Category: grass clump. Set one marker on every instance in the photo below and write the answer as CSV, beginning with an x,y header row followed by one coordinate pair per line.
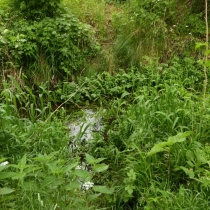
x,y
156,29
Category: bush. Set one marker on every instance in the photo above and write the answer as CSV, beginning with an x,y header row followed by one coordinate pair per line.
x,y
58,46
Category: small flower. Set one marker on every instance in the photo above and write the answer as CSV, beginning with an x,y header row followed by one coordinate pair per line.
x,y
87,185
186,26
190,33
4,163
82,166
174,26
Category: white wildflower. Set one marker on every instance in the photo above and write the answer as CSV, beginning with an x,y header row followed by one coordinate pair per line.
x,y
87,185
81,167
4,163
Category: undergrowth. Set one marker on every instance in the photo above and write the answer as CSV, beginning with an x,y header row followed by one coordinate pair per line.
x,y
49,49
152,151
153,140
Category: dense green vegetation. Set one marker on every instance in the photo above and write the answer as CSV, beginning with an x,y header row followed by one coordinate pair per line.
x,y
142,65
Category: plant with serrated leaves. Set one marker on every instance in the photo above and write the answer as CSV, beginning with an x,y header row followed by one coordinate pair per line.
x,y
49,176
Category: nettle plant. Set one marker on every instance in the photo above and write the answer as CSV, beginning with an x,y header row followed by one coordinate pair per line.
x,y
37,165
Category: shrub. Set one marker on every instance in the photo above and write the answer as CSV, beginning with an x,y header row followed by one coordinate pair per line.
x,y
53,46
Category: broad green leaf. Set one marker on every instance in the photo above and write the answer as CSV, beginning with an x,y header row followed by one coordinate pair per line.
x,y
129,189
103,189
19,176
53,167
125,94
72,185
93,196
190,173
200,159
48,181
58,182
90,159
132,175
82,173
5,190
68,168
180,137
52,154
199,44
99,160
45,158
5,175
200,61
190,155
165,146
160,147
207,52
190,163
207,63
22,162
32,168
100,167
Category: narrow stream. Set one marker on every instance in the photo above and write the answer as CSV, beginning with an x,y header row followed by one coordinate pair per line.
x,y
82,133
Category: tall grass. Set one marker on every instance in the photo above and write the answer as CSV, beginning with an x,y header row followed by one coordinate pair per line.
x,y
164,107
155,29
152,140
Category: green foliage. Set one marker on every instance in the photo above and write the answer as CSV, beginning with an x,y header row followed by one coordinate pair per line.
x,y
156,29
162,106
33,9
125,84
152,151
103,85
49,47
166,146
148,113
49,176
92,12
182,199
40,164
